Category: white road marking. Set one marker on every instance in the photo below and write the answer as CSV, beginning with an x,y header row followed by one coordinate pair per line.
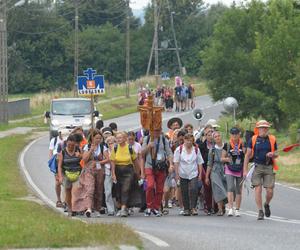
x,y
153,239
29,179
273,218
286,186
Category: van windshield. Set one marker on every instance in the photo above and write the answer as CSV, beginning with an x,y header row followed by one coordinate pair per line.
x,y
71,107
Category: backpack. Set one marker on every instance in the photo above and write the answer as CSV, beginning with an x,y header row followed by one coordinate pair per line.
x,y
195,147
55,141
163,139
129,148
236,167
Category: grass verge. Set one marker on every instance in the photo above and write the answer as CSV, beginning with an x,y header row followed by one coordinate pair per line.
x,y
25,224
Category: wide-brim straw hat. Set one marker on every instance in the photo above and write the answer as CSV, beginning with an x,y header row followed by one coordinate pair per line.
x,y
173,120
263,124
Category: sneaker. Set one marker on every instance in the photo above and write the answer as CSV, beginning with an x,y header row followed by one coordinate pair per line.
x,y
260,215
130,211
156,212
194,212
88,213
110,214
124,213
230,212
97,214
267,210
181,212
118,213
170,205
237,213
59,204
186,213
208,212
147,212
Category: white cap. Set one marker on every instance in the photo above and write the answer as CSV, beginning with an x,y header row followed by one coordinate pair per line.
x,y
213,123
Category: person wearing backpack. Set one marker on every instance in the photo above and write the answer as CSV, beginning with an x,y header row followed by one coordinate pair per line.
x,y
205,145
262,149
158,159
188,166
233,157
55,143
125,165
215,173
89,191
69,170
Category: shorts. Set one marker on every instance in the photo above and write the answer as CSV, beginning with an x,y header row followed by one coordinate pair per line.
x,y
183,98
233,184
67,183
263,175
177,98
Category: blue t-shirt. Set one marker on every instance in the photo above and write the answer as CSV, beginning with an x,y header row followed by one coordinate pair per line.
x,y
261,148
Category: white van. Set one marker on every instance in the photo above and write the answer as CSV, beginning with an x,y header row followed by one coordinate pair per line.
x,y
70,113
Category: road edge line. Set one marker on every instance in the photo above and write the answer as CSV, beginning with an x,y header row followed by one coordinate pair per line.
x,y
28,178
157,241
50,203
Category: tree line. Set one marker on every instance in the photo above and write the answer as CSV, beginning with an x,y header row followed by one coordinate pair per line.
x,y
254,56
248,51
41,40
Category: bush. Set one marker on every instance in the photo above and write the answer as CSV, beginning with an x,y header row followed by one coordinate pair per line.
x,y
293,131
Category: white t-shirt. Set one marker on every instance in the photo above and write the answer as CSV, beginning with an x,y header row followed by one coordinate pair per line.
x,y
97,152
188,163
54,147
137,148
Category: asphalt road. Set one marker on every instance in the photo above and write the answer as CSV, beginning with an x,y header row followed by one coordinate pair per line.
x,y
281,231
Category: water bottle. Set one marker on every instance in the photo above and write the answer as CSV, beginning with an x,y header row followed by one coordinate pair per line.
x,y
145,185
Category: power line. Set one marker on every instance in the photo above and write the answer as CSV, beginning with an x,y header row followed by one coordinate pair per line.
x,y
40,33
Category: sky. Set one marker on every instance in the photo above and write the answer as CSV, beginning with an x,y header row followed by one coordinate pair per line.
x,y
140,4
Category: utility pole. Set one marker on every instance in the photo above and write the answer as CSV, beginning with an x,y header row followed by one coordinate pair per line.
x,y
175,39
128,49
3,64
76,48
156,40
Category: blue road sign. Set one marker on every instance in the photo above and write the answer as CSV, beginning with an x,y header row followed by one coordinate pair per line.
x,y
90,84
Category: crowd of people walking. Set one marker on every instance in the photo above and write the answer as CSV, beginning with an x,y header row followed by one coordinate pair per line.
x,y
111,172
180,98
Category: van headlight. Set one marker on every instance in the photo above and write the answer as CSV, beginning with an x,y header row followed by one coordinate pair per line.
x,y
87,122
55,123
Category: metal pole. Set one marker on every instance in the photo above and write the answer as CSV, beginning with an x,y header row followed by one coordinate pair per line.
x,y
234,116
76,48
128,50
3,64
156,40
175,39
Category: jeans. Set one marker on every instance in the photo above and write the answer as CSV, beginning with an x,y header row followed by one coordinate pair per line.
x,y
108,194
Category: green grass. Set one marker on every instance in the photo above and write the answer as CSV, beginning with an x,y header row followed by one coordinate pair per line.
x,y
25,224
40,102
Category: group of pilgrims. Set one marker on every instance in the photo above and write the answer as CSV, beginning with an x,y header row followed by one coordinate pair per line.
x,y
107,172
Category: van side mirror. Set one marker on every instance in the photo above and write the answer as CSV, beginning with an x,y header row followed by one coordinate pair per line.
x,y
96,113
47,114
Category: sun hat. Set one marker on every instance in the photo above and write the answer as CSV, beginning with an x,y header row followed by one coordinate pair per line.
x,y
263,124
173,120
213,123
